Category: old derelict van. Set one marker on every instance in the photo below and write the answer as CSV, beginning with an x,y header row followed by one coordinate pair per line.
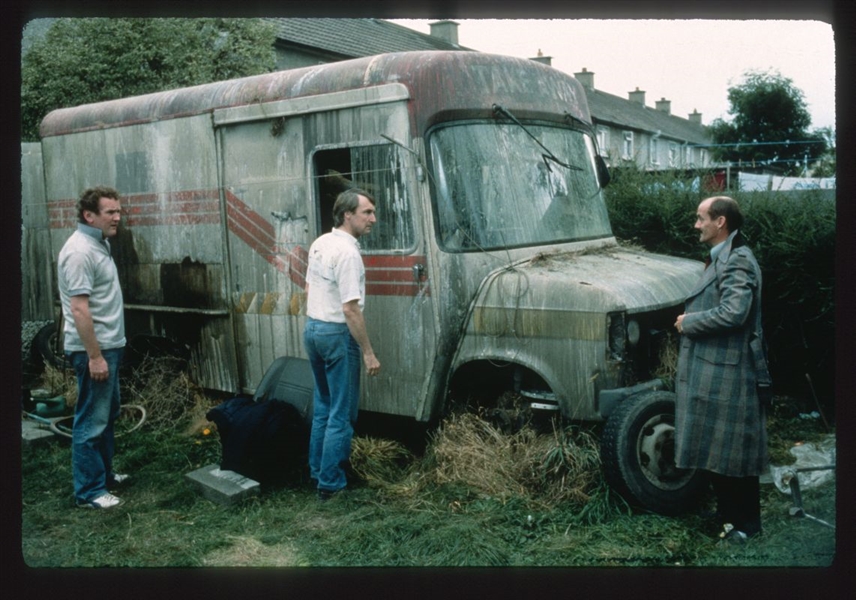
x,y
493,264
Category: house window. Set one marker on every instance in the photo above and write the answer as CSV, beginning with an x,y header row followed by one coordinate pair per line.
x,y
627,146
688,156
654,151
674,155
703,158
603,141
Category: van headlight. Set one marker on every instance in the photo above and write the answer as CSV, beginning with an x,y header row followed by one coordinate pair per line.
x,y
622,331
617,335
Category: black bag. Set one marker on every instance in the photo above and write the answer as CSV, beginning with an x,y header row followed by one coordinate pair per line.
x,y
264,440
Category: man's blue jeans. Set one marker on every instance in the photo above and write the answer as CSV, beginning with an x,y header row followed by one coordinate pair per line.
x,y
92,438
336,364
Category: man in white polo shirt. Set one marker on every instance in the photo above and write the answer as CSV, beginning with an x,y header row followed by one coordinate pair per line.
x,y
94,339
336,338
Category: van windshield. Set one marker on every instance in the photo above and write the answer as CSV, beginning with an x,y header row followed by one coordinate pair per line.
x,y
495,188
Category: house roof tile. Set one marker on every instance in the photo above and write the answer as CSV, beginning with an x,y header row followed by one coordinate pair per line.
x,y
620,112
353,38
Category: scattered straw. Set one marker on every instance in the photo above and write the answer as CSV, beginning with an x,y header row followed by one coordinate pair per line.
x,y
562,466
60,382
164,389
668,368
379,462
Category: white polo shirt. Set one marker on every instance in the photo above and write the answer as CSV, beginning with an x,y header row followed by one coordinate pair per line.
x,y
85,268
335,275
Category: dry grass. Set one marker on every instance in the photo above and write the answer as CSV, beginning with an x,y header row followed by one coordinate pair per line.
x,y
379,462
170,398
470,450
561,466
246,551
60,382
158,384
668,368
556,467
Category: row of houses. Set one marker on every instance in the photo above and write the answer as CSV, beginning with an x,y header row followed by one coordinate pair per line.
x,y
628,130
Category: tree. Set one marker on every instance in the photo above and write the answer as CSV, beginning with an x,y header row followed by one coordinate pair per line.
x,y
825,166
79,61
770,125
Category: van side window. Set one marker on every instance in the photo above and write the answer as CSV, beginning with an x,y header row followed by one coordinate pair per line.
x,y
378,170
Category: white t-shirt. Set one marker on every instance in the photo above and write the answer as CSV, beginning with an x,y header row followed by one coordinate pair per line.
x,y
85,268
335,275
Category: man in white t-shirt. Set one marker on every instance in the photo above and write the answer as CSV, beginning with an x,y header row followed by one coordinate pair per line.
x,y
336,338
94,340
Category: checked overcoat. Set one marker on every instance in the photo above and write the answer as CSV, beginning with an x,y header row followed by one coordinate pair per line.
x,y
720,425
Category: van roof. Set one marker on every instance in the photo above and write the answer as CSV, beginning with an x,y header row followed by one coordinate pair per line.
x,y
437,81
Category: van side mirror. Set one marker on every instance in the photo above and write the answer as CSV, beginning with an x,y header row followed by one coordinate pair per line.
x,y
602,171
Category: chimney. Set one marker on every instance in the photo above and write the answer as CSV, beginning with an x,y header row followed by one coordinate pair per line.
x,y
545,60
586,78
445,30
695,117
637,96
664,105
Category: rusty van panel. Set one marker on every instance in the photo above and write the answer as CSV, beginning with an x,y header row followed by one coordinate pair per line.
x,y
169,248
551,314
168,164
37,274
441,84
601,280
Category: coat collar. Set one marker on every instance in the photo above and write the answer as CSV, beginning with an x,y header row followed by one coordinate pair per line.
x,y
720,257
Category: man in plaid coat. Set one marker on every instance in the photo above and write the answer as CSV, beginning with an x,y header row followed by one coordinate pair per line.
x,y
720,423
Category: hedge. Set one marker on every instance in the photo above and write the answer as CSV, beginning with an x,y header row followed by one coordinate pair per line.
x,y
793,237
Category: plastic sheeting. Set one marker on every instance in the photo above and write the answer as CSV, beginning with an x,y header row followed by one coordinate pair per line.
x,y
807,456
752,182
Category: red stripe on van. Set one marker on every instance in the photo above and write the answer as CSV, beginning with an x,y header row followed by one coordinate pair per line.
x,y
386,275
392,289
260,235
62,214
193,207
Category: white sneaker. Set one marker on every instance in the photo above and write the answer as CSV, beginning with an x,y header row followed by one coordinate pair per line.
x,y
107,500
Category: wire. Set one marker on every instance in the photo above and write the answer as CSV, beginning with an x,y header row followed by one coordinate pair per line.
x,y
65,431
738,144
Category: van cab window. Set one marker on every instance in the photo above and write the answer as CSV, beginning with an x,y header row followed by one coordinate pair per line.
x,y
377,169
495,187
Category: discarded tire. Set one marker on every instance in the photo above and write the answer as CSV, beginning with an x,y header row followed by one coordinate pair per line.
x,y
47,347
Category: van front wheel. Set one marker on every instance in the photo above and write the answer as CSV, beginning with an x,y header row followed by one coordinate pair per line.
x,y
638,455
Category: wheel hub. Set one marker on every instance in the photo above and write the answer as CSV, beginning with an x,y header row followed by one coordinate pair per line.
x,y
656,453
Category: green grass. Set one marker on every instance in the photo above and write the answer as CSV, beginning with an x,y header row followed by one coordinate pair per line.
x,y
165,522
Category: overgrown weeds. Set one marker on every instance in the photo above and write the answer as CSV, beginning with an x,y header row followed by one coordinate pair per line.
x,y
60,382
161,385
477,496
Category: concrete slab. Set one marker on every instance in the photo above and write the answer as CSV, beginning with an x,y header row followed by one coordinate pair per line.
x,y
35,433
222,486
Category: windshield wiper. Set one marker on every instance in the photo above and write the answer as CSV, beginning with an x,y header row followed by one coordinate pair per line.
x,y
549,155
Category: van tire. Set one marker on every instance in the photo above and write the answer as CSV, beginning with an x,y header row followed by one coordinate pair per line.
x,y
46,348
637,453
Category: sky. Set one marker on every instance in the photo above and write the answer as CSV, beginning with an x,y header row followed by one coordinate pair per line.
x,y
692,63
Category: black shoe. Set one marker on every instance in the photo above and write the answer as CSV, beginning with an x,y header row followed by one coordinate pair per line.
x,y
324,495
731,536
